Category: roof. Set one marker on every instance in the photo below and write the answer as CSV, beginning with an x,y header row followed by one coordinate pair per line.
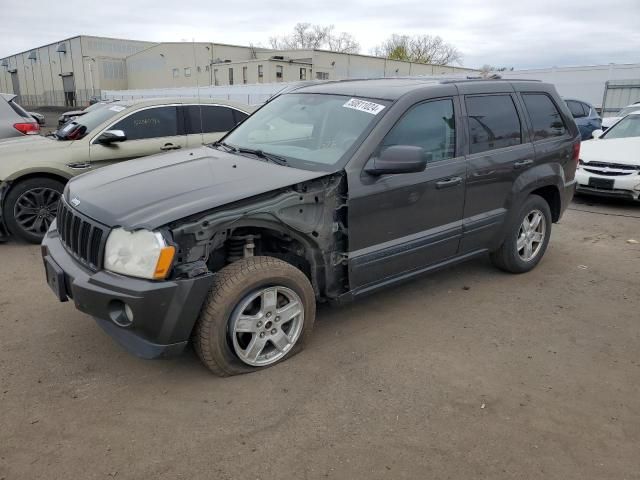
x,y
390,88
182,100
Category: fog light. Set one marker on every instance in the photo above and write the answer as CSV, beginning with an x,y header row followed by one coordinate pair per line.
x,y
120,313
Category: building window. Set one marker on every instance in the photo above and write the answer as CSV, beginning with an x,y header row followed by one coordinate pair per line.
x,y
206,68
303,74
244,74
279,72
176,73
260,74
322,75
215,77
231,76
198,69
187,72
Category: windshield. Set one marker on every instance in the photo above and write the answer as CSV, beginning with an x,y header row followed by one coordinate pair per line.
x,y
628,110
627,127
311,131
85,124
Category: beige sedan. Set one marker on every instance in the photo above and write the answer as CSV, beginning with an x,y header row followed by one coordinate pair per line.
x,y
33,170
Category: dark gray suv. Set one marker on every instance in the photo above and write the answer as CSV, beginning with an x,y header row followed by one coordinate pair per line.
x,y
326,193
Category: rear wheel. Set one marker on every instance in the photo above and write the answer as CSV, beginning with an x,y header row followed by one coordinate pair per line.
x,y
31,206
260,311
527,237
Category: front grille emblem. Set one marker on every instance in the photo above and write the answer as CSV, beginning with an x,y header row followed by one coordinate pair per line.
x,y
75,201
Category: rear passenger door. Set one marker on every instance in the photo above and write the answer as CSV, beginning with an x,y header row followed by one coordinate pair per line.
x,y
149,130
208,123
499,151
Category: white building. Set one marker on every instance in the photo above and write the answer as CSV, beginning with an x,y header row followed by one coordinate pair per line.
x,y
68,72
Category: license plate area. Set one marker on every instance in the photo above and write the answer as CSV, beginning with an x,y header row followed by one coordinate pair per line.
x,y
604,183
55,279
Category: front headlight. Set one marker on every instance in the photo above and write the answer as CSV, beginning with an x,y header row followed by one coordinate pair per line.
x,y
142,254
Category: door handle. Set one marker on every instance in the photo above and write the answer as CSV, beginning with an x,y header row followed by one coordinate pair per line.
x,y
449,182
170,146
523,163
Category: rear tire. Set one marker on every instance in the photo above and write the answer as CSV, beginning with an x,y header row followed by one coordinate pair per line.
x,y
248,310
525,244
31,206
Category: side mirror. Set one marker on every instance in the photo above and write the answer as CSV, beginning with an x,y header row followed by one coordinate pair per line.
x,y
596,134
111,136
397,159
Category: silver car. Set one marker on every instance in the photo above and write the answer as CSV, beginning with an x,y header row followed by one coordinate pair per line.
x,y
15,121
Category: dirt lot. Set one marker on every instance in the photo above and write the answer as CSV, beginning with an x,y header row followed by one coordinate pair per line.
x,y
469,373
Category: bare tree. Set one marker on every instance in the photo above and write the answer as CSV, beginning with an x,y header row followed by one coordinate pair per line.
x,y
420,49
306,35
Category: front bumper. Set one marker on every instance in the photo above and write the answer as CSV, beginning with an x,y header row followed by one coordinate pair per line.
x,y
624,186
164,312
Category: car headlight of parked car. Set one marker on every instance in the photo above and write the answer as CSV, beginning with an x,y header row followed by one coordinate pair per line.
x,y
142,254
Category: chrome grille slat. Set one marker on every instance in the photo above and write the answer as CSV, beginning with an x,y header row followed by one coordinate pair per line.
x,y
81,236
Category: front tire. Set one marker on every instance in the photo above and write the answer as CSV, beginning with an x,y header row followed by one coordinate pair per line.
x,y
31,206
259,312
527,237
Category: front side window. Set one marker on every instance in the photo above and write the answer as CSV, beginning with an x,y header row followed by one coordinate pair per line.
x,y
208,119
149,123
312,131
545,117
493,123
88,122
430,125
629,126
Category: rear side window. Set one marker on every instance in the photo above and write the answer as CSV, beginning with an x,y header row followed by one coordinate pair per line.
x,y
493,123
208,119
545,117
430,125
576,109
149,123
239,116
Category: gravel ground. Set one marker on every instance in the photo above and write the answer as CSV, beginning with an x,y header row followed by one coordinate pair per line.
x,y
468,373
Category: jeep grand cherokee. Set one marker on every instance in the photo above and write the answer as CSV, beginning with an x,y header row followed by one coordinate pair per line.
x,y
326,193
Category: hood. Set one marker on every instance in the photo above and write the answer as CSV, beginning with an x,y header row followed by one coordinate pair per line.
x,y
28,143
608,121
154,191
616,150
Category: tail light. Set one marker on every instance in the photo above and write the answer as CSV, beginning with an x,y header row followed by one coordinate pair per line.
x,y
27,128
576,152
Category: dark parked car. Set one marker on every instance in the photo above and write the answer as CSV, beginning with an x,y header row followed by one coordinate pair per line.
x,y
326,193
15,121
73,114
586,117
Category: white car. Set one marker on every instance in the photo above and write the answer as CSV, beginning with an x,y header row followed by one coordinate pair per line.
x,y
607,122
609,164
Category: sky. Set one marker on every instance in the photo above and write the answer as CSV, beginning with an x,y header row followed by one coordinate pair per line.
x,y
516,33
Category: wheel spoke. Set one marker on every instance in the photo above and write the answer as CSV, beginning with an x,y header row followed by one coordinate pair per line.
x,y
528,250
537,237
281,341
37,225
246,324
526,225
255,347
289,312
535,221
269,299
522,240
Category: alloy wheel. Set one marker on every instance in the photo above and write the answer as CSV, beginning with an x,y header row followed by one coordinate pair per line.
x,y
266,325
35,209
531,235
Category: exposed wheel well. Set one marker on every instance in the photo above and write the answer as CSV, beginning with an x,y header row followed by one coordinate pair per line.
x,y
29,176
552,196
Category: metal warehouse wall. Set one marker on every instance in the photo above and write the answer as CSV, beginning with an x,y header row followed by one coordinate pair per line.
x,y
618,94
585,83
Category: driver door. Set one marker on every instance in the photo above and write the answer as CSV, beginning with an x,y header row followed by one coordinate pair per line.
x,y
401,224
149,131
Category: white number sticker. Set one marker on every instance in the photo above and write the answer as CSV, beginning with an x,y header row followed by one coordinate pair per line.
x,y
364,106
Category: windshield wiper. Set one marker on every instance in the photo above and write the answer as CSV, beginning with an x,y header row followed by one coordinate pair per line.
x,y
277,159
218,143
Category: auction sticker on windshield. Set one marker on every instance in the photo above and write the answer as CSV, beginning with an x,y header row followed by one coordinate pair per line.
x,y
364,106
117,108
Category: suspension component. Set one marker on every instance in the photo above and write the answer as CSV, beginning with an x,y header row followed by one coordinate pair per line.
x,y
240,246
